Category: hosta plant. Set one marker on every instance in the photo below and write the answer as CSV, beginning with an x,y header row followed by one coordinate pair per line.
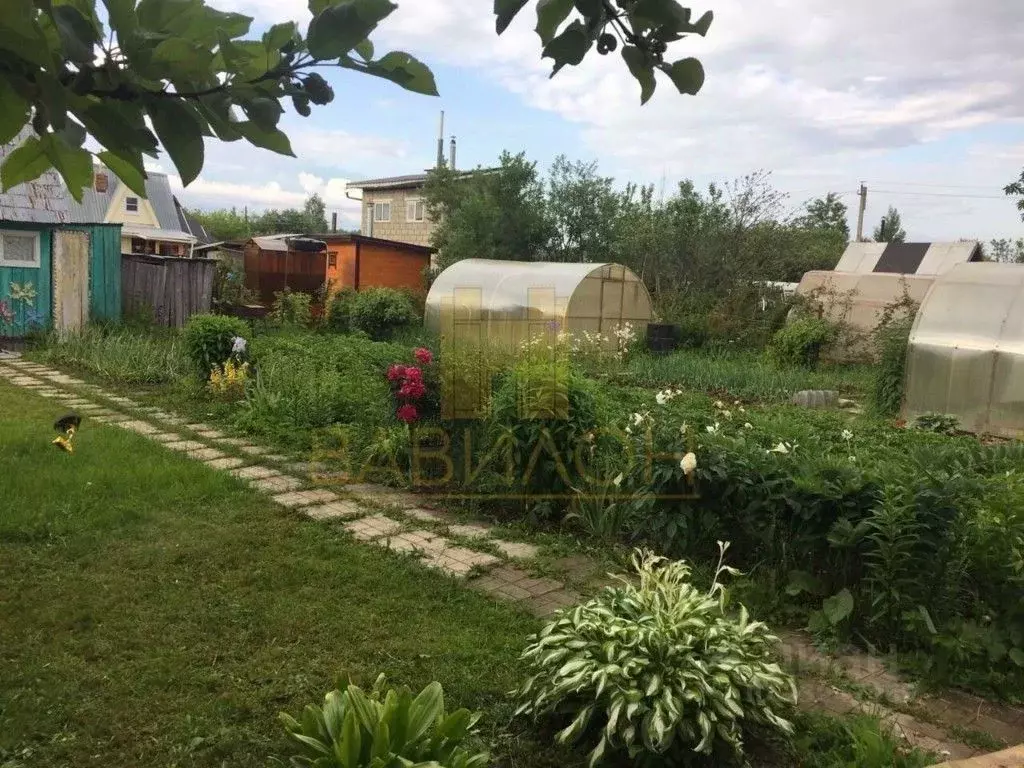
x,y
385,728
657,669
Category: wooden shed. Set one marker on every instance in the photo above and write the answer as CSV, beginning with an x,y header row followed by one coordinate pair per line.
x,y
357,261
276,262
53,274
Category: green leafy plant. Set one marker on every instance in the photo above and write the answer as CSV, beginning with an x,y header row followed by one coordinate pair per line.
x,y
659,669
801,342
384,728
693,331
598,512
339,310
891,336
940,423
209,340
292,308
379,312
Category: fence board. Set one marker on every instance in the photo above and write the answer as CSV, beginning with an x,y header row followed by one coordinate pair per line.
x,y
168,289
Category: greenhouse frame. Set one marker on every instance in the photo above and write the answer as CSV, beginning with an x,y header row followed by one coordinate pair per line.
x,y
512,302
965,355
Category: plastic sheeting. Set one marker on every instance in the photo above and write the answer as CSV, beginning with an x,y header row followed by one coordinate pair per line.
x,y
858,298
966,350
510,302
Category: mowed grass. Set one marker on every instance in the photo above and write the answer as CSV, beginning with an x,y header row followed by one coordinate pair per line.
x,y
154,612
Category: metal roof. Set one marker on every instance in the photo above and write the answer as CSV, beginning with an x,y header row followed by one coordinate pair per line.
x,y
94,205
155,233
43,200
907,258
291,242
390,182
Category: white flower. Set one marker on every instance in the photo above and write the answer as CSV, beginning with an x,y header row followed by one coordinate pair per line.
x,y
683,427
629,430
662,398
742,409
780,448
712,428
727,414
618,480
852,458
638,419
719,404
748,425
688,463
736,402
847,434
238,345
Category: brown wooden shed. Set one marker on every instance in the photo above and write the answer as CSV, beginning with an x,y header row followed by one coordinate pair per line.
x,y
357,261
276,262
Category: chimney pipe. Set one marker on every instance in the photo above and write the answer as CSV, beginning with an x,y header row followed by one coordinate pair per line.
x,y
440,143
334,221
451,155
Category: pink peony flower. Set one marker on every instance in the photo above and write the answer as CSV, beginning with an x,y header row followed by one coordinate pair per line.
x,y
423,356
396,372
412,373
407,413
412,389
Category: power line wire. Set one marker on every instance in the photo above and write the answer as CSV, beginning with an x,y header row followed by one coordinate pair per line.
x,y
937,186
941,194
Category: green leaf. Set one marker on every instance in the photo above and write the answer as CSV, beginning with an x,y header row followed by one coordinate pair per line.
x,y
703,24
569,47
405,70
15,112
77,34
25,163
338,29
590,9
74,164
838,607
1017,656
365,50
121,14
132,173
550,15
265,112
351,742
365,710
278,35
504,12
641,70
426,708
927,619
802,581
687,75
273,139
179,130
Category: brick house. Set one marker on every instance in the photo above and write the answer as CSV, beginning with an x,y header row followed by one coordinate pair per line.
x,y
394,208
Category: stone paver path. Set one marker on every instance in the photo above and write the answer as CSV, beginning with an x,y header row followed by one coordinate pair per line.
x,y
402,522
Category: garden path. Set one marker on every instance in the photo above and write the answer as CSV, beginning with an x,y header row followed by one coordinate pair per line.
x,y
954,725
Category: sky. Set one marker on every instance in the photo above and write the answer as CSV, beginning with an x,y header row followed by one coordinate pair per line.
x,y
922,100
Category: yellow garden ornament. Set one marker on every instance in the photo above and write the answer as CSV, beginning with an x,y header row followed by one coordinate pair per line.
x,y
67,426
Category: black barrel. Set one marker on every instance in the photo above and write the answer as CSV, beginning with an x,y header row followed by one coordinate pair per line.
x,y
662,337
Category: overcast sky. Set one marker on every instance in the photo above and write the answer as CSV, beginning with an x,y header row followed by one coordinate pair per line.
x,y
921,99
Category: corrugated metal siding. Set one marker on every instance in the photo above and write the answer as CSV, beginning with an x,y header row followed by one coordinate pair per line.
x,y
40,309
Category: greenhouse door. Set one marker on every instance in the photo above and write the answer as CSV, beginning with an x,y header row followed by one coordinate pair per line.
x,y
70,280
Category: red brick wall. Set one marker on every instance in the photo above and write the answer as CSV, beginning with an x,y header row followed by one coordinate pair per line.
x,y
391,268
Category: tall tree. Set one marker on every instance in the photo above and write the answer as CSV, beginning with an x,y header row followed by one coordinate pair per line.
x,y
172,72
314,212
1007,251
498,213
230,225
583,208
224,224
890,228
826,213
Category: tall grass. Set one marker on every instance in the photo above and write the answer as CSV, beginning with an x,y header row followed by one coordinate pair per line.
x,y
126,356
741,374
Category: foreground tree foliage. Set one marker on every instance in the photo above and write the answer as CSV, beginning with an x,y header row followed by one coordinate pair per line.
x,y
175,72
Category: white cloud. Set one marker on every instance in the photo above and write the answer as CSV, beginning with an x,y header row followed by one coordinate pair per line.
x,y
206,193
342,149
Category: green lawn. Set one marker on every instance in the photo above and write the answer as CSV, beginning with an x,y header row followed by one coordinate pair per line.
x,y
154,612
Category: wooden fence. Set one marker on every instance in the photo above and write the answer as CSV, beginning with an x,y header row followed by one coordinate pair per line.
x,y
169,289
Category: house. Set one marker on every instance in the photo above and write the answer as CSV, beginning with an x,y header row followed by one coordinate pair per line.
x,y
394,208
357,261
907,258
312,263
153,225
55,272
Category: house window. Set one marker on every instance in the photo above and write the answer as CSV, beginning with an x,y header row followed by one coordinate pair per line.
x,y
19,249
414,210
131,204
382,211
332,259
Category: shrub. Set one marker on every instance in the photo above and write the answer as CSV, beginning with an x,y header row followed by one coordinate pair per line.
x,y
124,356
228,381
386,727
380,312
802,341
887,387
693,331
657,670
209,339
940,423
339,310
292,309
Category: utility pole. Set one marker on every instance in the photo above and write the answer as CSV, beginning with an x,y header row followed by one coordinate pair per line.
x,y
860,213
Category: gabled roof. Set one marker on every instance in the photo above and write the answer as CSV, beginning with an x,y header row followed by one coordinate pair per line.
x,y
94,205
191,224
409,181
354,237
907,258
43,200
288,242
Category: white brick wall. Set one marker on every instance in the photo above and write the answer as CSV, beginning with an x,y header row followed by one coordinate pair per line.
x,y
415,232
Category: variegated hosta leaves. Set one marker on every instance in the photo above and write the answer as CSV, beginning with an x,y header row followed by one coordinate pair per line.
x,y
655,667
385,728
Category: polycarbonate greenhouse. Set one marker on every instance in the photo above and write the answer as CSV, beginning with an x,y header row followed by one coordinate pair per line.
x,y
966,351
510,302
859,298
